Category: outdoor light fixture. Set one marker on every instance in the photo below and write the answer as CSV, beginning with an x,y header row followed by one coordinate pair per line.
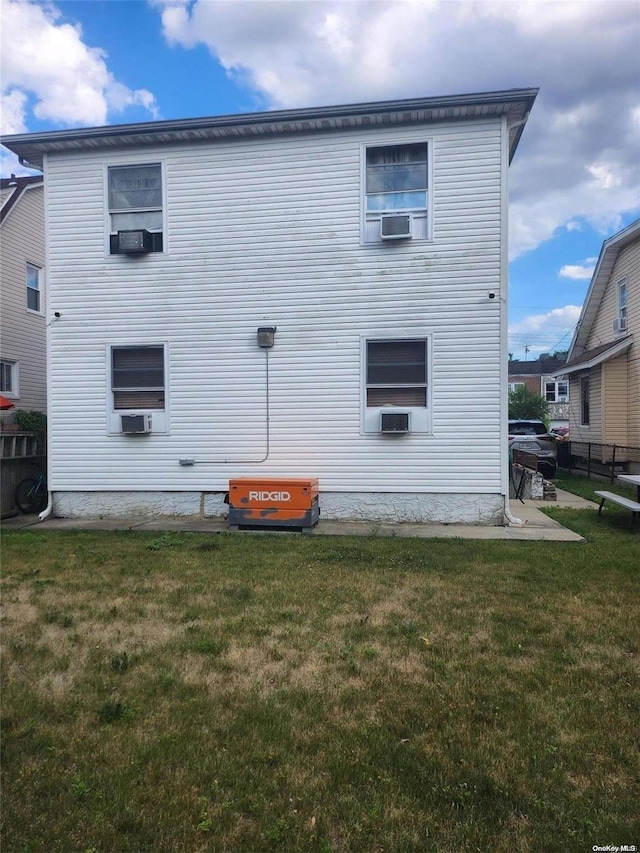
x,y
266,336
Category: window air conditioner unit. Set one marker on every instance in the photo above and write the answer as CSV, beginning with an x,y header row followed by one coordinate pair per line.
x,y
395,227
134,242
135,424
620,325
394,423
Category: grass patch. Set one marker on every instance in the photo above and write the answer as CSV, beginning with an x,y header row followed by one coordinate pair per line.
x,y
586,486
261,693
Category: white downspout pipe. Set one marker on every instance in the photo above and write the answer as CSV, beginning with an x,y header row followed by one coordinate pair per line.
x,y
48,509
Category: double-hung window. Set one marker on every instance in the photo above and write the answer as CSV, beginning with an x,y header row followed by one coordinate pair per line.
x,y
396,183
513,386
396,375
138,384
135,201
33,287
556,392
9,378
622,305
137,377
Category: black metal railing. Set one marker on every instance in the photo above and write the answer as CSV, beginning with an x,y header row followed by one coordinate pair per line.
x,y
602,459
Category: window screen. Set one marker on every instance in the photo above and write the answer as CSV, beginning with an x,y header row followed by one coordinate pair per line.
x,y
397,373
137,377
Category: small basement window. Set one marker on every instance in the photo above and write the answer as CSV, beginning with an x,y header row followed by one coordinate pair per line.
x,y
137,377
135,202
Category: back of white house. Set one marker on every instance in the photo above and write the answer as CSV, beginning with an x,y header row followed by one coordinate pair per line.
x,y
367,243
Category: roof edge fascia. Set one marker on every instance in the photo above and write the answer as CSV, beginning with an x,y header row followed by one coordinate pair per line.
x,y
279,120
599,278
615,350
14,199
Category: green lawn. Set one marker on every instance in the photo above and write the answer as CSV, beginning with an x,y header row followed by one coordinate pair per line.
x,y
250,693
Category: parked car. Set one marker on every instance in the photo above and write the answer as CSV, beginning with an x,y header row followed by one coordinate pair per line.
x,y
532,436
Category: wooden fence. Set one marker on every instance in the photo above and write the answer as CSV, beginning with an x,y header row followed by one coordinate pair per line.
x,y
20,456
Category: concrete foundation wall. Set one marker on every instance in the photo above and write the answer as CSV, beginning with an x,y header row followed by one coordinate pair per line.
x,y
486,509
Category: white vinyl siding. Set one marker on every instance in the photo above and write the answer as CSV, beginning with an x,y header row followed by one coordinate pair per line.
x,y
268,231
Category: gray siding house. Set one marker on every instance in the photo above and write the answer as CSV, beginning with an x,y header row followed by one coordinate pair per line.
x,y
371,237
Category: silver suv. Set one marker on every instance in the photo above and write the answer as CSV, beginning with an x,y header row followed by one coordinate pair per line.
x,y
532,437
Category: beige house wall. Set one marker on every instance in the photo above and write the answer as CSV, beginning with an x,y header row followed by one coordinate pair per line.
x,y
23,331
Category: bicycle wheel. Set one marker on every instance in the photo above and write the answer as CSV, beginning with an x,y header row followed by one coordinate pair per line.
x,y
29,496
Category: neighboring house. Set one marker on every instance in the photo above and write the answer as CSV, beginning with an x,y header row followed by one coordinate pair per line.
x,y
22,259
371,237
540,378
603,365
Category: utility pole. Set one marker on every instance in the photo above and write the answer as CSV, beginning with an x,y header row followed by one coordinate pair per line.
x,y
526,351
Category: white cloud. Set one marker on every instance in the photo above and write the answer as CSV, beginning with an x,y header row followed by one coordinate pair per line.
x,y
578,272
578,155
47,62
13,109
544,332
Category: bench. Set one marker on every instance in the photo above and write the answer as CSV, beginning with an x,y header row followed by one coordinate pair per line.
x,y
627,503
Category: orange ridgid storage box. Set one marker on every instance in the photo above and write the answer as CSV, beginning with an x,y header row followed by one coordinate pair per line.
x,y
273,502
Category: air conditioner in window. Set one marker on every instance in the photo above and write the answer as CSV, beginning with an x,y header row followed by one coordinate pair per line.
x,y
394,423
620,325
134,242
395,227
135,424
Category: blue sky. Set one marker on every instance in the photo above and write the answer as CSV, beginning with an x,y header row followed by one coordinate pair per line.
x,y
575,179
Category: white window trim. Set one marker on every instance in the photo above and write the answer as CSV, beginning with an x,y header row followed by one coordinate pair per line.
x,y
37,267
386,142
623,310
555,383
14,394
159,417
420,417
513,386
133,161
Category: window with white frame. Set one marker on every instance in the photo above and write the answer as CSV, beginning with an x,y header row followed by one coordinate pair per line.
x,y
513,386
622,304
135,200
556,391
584,401
396,375
396,183
33,287
138,377
9,378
